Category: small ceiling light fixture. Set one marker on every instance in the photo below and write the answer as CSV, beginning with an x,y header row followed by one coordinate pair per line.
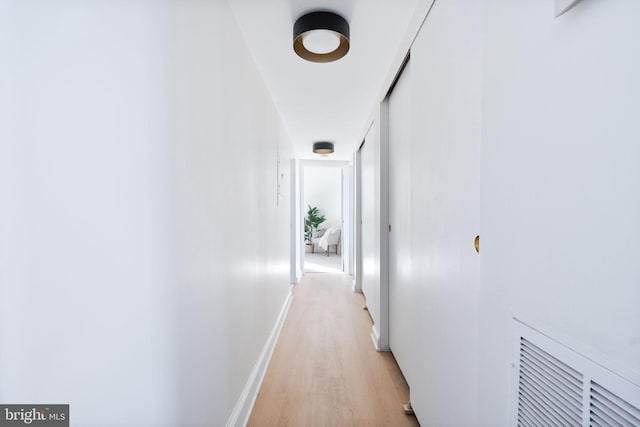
x,y
321,37
323,147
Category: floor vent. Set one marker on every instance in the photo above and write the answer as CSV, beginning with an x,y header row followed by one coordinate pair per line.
x,y
555,386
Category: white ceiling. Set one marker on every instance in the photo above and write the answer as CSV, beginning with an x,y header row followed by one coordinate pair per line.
x,y
332,101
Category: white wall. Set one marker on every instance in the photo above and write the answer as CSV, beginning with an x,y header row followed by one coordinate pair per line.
x,y
560,182
144,256
323,189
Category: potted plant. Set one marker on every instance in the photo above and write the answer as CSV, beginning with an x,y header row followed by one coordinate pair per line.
x,y
311,223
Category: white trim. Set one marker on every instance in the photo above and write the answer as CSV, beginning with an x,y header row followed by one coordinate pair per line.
x,y
244,405
357,223
347,219
299,222
375,337
293,232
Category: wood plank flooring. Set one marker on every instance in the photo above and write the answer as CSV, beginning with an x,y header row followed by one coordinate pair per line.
x,y
324,370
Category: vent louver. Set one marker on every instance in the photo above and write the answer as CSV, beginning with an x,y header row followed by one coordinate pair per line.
x,y
556,386
607,409
549,389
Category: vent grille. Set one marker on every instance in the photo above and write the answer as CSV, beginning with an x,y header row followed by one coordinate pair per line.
x,y
607,409
555,386
550,391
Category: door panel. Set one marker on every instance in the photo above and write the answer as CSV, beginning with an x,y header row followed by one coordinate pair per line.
x,y
370,253
434,144
401,309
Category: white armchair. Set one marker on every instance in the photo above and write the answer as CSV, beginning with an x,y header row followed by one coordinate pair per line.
x,y
315,239
331,237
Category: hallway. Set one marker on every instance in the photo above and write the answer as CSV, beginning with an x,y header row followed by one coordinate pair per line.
x,y
153,163
324,370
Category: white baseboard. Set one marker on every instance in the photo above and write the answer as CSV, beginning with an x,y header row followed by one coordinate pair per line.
x,y
355,288
242,411
375,337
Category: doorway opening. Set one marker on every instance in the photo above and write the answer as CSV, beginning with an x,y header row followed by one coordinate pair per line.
x,y
324,210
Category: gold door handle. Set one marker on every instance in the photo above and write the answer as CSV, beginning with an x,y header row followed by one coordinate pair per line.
x,y
476,244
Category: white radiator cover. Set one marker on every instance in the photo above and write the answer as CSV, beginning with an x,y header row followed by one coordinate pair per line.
x,y
553,385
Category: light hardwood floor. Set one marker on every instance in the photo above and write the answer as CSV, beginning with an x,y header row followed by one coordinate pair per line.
x,y
324,370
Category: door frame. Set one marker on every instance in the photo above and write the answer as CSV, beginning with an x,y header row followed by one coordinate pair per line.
x,y
357,220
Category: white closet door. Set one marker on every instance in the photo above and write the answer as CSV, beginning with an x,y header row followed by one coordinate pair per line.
x,y
434,145
402,310
370,253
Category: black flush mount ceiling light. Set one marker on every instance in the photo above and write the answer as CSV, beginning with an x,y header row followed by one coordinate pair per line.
x,y
323,147
321,37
